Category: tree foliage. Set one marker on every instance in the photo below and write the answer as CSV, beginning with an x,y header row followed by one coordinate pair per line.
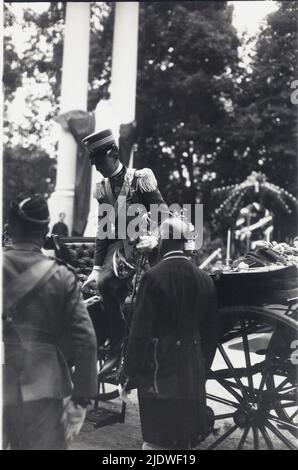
x,y
264,132
187,57
26,171
11,76
203,120
263,125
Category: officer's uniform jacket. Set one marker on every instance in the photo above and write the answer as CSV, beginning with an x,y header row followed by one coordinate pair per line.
x,y
49,333
142,189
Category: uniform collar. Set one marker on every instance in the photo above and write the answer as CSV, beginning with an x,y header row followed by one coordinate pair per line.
x,y
174,254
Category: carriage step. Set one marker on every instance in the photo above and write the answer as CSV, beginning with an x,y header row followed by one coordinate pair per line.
x,y
101,417
111,378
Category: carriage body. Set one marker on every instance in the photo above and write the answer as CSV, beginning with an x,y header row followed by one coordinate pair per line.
x,y
257,286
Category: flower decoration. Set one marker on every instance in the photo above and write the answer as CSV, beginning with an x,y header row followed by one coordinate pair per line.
x,y
255,183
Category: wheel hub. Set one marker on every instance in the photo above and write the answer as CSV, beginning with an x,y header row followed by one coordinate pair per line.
x,y
249,414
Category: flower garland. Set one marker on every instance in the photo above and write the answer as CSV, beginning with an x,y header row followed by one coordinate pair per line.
x,y
257,182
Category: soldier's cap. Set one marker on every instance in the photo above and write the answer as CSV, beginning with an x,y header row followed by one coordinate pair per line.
x,y
98,144
32,209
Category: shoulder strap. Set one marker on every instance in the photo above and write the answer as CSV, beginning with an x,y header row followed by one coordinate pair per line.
x,y
19,288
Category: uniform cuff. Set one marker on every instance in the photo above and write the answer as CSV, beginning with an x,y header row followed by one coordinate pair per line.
x,y
83,402
97,268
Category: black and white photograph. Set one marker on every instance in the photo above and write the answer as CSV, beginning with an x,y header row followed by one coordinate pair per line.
x,y
149,228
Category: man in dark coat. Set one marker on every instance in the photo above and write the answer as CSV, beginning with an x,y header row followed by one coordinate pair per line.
x,y
60,228
172,342
118,186
45,325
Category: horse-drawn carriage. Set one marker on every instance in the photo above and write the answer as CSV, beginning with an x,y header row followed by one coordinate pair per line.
x,y
252,385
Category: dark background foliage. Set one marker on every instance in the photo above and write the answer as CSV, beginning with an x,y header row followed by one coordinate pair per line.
x,y
203,120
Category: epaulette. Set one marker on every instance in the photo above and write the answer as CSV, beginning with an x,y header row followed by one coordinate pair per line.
x,y
146,180
99,192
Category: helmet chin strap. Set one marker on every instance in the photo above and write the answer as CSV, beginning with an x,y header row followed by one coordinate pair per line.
x,y
118,169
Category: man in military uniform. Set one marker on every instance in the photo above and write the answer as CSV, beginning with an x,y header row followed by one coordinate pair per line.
x,y
120,186
46,331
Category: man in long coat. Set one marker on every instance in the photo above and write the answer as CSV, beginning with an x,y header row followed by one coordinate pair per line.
x,y
46,331
171,344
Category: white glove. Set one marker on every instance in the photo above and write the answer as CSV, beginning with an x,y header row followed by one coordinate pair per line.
x,y
98,277
73,418
123,394
147,243
94,276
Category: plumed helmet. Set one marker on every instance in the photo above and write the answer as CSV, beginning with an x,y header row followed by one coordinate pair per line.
x,y
174,228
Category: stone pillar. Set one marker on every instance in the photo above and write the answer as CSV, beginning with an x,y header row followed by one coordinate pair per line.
x,y
124,63
74,89
121,108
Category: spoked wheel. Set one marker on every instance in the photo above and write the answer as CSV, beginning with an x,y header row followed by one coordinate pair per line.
x,y
252,386
282,384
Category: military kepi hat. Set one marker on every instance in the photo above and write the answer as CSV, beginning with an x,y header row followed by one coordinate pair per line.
x,y
98,143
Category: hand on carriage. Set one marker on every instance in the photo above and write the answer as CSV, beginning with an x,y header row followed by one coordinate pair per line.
x,y
147,243
97,277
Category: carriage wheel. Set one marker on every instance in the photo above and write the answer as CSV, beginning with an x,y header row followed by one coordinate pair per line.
x,y
283,384
106,389
252,383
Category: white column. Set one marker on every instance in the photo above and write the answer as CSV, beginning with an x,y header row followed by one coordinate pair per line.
x,y
74,89
121,108
124,63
